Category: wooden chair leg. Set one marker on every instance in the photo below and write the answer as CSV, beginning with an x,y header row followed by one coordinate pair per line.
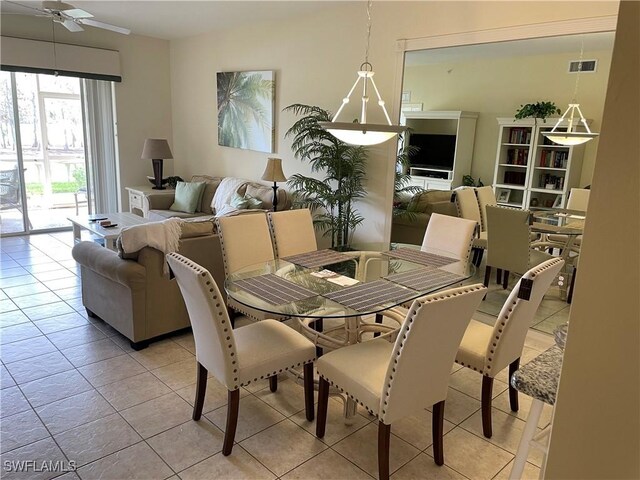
x,y
571,285
273,383
487,390
323,403
318,326
378,320
513,393
233,399
437,431
505,279
308,390
384,439
487,275
201,389
480,255
499,276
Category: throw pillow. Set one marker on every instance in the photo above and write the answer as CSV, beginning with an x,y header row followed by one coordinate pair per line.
x,y
242,202
187,198
211,185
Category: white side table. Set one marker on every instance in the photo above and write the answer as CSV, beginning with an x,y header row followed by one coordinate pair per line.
x,y
138,203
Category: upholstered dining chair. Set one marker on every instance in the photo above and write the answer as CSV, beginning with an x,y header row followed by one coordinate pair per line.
x,y
508,246
578,200
394,380
469,208
237,357
488,349
450,235
244,240
486,196
292,232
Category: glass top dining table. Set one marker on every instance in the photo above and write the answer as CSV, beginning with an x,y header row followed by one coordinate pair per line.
x,y
558,221
366,279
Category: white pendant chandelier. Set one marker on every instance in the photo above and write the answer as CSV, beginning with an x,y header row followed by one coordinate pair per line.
x,y
573,115
359,132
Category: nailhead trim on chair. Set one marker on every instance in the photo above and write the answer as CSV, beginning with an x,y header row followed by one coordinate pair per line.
x,y
342,390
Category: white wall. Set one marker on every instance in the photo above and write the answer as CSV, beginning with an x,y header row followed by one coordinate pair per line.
x,y
497,87
143,98
315,59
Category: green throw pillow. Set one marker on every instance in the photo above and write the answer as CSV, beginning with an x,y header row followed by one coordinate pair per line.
x,y
187,198
246,202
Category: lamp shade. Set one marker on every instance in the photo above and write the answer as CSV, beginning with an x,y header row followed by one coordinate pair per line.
x,y
273,172
156,148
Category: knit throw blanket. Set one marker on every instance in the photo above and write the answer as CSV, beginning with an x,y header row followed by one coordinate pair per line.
x,y
163,236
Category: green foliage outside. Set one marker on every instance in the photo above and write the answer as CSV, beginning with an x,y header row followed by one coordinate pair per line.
x,y
57,187
402,186
331,198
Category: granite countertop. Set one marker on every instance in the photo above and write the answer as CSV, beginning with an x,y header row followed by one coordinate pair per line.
x,y
539,378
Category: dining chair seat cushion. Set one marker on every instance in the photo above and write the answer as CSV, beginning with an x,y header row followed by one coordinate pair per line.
x,y
267,348
473,348
536,257
359,370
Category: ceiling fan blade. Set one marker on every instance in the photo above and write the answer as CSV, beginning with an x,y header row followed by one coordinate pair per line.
x,y
106,26
76,13
10,7
72,26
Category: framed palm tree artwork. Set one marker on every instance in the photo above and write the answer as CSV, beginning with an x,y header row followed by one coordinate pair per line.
x,y
246,110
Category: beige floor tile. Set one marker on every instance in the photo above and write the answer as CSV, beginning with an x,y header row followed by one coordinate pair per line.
x,y
507,431
69,293
61,323
39,452
133,391
159,354
531,472
74,411
362,449
12,401
47,311
97,439
524,403
35,300
38,367
423,466
186,341
472,456
197,441
459,406
254,416
32,347
53,275
538,340
16,281
62,283
336,428
237,466
111,370
255,387
215,396
178,375
157,415
5,378
75,336
328,465
123,342
14,317
288,399
468,381
416,429
25,290
21,429
283,446
138,461
7,305
93,352
15,333
55,387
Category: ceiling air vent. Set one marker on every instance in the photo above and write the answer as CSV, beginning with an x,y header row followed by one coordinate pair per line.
x,y
587,66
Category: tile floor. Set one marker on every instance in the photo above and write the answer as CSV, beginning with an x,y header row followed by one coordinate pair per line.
x,y
75,393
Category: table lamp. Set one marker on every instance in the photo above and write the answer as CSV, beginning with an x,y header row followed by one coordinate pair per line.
x,y
156,149
273,173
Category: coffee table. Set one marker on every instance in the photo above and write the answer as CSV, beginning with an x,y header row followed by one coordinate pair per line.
x,y
110,234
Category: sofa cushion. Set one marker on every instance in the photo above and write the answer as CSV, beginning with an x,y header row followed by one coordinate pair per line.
x,y
210,187
421,201
187,197
192,229
158,215
265,194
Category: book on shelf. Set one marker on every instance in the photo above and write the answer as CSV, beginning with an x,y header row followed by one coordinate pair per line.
x,y
515,178
551,182
520,135
554,158
517,156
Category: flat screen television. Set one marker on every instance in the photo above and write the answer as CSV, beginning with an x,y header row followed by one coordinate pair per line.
x,y
435,150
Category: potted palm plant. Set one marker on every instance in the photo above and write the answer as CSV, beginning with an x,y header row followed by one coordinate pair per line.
x,y
331,198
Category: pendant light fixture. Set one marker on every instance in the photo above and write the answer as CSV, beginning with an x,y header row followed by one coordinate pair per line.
x,y
575,118
360,132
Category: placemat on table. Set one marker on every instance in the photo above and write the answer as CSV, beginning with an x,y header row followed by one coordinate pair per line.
x,y
317,258
423,258
274,289
366,295
424,279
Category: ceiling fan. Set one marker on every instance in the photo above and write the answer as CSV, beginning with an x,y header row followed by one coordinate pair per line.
x,y
72,18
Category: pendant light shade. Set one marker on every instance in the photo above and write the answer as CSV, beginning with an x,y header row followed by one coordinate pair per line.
x,y
360,132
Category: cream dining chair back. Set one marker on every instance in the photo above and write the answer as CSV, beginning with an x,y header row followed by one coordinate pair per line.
x,y
468,206
578,199
395,380
486,196
236,357
292,232
490,349
245,240
508,247
450,235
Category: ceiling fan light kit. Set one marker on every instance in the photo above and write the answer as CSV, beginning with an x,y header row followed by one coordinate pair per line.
x,y
360,132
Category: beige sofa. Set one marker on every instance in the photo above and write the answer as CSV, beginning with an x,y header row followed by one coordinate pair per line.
x,y
133,294
159,204
410,224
